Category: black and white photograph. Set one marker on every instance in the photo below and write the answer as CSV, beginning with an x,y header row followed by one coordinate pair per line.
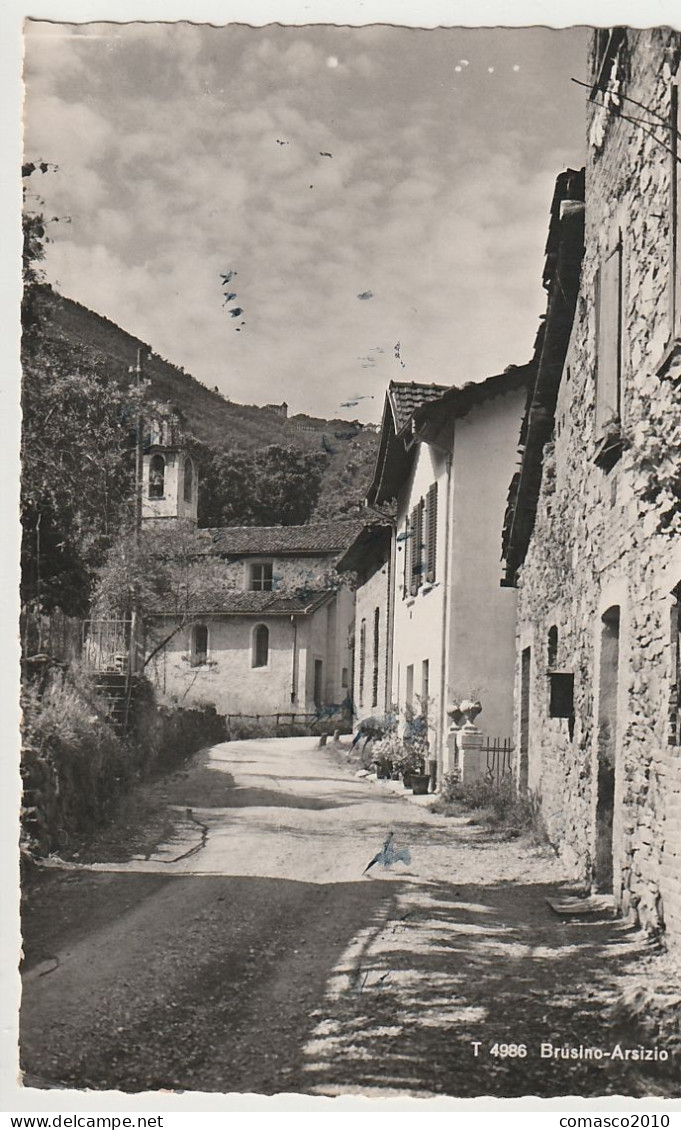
x,y
350,596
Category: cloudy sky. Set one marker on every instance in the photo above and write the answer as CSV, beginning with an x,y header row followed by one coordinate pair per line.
x,y
367,186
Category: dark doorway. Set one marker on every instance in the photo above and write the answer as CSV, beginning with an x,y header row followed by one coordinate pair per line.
x,y
524,760
607,746
318,682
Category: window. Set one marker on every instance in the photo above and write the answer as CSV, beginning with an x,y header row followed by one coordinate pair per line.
x,y
409,698
377,635
416,549
261,646
157,471
609,71
407,559
261,577
362,659
552,649
425,687
562,685
344,677
608,62
609,338
188,479
199,645
431,533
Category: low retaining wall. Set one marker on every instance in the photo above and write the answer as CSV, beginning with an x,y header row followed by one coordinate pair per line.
x,y
75,767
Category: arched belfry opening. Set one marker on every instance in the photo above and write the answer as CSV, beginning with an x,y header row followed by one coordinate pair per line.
x,y
157,471
169,487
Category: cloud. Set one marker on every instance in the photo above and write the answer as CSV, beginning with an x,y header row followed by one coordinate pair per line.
x,y
171,171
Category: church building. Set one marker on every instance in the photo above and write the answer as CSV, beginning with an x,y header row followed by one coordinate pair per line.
x,y
258,622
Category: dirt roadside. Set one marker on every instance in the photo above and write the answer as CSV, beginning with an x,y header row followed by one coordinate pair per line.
x,y
265,961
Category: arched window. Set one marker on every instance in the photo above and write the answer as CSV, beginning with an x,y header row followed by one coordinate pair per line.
x,y
199,648
188,479
157,472
261,646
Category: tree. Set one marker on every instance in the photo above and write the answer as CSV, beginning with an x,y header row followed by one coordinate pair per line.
x,y
276,486
164,570
77,470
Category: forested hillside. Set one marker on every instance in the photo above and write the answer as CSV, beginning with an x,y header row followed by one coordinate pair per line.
x,y
214,420
80,406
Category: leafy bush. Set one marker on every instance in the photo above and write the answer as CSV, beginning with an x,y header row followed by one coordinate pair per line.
x,y
74,764
75,767
241,729
503,806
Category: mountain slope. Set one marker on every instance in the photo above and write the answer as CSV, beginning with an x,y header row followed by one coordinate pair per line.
x,y
350,449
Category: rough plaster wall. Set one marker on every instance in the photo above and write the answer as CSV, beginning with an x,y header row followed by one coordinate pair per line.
x,y
228,680
288,573
598,532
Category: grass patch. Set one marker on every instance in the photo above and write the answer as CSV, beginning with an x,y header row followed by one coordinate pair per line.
x,y
497,806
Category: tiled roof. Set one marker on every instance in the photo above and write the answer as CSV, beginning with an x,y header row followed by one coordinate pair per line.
x,y
216,600
242,541
456,401
405,397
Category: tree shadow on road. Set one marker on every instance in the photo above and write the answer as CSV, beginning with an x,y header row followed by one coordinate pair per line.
x,y
196,983
488,965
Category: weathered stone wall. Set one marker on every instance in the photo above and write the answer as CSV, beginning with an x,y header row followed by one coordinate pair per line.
x,y
288,573
608,538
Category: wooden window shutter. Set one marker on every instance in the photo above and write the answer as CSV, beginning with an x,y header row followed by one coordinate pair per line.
x,y
416,543
609,337
362,659
407,558
431,533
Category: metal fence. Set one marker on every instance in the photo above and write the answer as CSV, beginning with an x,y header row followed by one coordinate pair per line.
x,y
337,720
499,754
105,644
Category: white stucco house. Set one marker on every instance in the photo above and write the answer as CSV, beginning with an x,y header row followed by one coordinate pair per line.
x,y
257,623
370,560
445,458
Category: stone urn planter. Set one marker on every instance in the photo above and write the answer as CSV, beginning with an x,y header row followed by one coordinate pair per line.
x,y
470,708
455,714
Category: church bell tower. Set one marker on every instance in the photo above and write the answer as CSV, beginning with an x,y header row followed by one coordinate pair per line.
x,y
170,481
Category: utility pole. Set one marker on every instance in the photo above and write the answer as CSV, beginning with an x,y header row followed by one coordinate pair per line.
x,y
139,435
137,370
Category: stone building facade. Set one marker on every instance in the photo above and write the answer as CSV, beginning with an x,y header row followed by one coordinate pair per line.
x,y
592,534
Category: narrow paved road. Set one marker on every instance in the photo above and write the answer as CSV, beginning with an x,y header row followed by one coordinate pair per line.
x,y
250,953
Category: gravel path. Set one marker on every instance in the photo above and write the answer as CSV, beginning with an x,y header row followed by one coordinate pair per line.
x,y
248,952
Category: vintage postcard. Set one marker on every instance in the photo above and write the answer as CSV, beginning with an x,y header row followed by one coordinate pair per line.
x,y
350,606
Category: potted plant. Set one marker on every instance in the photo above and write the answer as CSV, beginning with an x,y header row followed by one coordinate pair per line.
x,y
386,753
405,762
419,778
